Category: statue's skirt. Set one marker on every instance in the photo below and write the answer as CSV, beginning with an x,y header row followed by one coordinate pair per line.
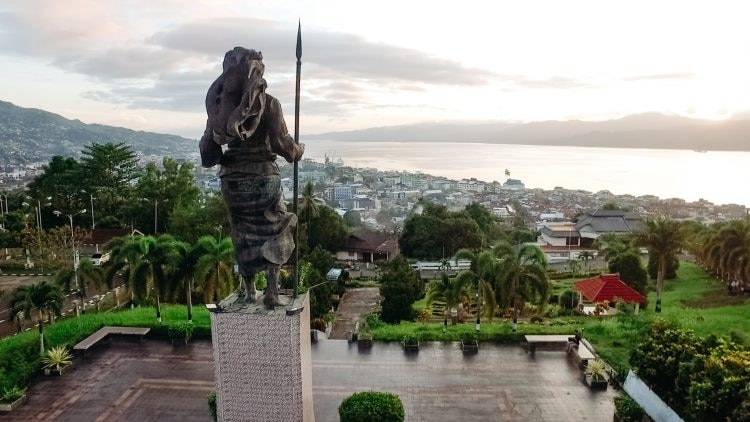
x,y
262,229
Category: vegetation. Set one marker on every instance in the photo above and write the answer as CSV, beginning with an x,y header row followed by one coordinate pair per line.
x,y
627,410
663,238
180,331
11,394
400,287
371,406
42,297
452,293
20,360
57,357
701,379
212,404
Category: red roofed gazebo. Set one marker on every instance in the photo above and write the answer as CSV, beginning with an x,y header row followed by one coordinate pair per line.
x,y
608,287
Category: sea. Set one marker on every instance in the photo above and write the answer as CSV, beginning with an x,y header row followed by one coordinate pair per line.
x,y
717,176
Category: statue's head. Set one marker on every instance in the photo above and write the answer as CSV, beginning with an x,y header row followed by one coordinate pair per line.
x,y
241,57
236,100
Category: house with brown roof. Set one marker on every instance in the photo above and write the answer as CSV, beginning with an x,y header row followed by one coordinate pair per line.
x,y
369,246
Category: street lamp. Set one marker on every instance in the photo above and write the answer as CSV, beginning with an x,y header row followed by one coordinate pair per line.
x,y
72,243
91,196
479,311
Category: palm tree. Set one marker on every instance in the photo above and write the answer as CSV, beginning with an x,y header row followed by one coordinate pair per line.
x,y
484,272
585,257
87,273
184,275
43,297
451,292
146,263
309,206
524,272
663,238
611,245
213,269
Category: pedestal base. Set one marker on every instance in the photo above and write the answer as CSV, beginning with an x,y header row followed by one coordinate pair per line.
x,y
262,361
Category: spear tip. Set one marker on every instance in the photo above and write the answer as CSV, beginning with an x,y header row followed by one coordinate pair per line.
x,y
299,40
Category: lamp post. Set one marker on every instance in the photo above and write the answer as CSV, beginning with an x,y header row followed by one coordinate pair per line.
x,y
72,243
91,197
479,311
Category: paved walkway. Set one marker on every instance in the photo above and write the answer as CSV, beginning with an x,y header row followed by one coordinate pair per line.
x,y
153,381
354,306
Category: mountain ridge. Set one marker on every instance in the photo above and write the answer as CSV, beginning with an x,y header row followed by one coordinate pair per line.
x,y
32,135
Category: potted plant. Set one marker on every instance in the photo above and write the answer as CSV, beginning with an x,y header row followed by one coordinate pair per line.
x,y
364,340
56,360
411,343
469,343
595,375
12,398
180,332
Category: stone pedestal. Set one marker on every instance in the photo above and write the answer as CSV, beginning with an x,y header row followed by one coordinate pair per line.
x,y
262,361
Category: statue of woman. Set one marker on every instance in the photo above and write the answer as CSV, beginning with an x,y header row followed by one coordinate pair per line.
x,y
242,116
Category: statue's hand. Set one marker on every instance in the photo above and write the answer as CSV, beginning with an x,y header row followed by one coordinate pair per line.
x,y
301,151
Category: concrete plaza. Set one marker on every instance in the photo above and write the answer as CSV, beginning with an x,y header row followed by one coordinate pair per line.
x,y
154,381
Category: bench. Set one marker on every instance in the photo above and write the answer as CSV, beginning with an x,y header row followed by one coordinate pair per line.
x,y
546,340
105,332
582,354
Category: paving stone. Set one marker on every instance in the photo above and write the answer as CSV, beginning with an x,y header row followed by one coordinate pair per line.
x,y
154,381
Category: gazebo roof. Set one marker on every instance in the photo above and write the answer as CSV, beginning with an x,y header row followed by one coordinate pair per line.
x,y
608,287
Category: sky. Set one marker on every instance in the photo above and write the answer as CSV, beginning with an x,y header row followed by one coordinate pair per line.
x,y
146,64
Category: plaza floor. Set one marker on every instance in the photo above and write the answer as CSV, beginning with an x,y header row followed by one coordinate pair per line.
x,y
154,381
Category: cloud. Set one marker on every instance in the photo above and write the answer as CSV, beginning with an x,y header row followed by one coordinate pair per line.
x,y
660,76
554,83
345,55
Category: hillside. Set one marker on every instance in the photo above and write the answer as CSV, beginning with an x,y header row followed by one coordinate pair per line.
x,y
32,135
648,130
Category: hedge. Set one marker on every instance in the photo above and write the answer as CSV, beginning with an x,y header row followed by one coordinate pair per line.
x,y
371,406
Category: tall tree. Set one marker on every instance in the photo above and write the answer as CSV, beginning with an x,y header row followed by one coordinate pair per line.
x,y
400,287
452,292
213,269
109,171
145,263
662,237
43,297
524,272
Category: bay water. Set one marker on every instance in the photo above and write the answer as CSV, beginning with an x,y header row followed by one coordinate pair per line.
x,y
717,176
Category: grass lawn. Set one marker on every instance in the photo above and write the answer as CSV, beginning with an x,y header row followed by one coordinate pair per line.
x,y
693,301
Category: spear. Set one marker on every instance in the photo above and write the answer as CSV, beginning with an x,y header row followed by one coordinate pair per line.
x,y
296,164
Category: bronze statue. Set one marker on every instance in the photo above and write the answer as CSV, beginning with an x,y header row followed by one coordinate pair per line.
x,y
242,116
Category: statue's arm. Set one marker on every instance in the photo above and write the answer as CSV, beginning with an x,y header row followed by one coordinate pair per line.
x,y
281,142
210,151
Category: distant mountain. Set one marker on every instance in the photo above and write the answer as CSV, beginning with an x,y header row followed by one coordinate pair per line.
x,y
648,130
32,135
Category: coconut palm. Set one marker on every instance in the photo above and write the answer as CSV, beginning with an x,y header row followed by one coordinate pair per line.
x,y
87,274
184,276
309,206
213,269
585,257
452,292
611,245
484,272
523,271
146,263
663,238
43,297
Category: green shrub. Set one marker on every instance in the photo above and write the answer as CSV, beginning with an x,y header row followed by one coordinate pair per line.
x,y
180,331
469,337
212,404
411,339
371,406
627,409
12,394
